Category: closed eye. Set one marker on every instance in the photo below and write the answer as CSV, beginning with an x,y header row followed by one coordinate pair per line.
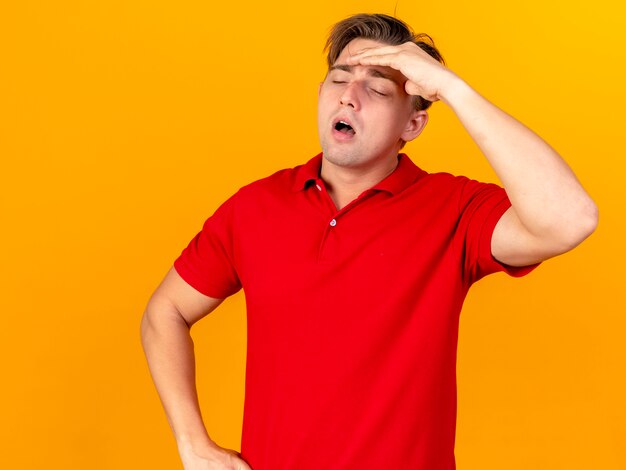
x,y
380,93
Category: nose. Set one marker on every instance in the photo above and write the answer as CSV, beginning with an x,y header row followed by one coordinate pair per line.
x,y
349,96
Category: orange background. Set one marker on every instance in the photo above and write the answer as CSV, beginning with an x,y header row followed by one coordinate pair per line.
x,y
123,124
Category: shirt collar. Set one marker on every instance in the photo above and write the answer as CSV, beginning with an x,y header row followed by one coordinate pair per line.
x,y
307,173
405,174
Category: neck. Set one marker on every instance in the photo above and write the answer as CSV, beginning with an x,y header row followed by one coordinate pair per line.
x,y
345,184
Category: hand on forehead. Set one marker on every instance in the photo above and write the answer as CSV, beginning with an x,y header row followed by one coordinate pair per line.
x,y
360,45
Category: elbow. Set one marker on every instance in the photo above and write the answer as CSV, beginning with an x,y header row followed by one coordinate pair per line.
x,y
592,219
150,321
159,318
146,327
579,227
587,220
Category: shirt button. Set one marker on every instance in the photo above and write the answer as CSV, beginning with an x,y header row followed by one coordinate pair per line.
x,y
333,223
319,188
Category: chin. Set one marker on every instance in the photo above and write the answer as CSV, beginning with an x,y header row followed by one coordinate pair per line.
x,y
346,159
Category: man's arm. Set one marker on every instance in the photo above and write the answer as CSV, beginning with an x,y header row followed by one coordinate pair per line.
x,y
551,213
172,310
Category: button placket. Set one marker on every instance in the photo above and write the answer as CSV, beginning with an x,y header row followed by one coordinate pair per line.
x,y
330,230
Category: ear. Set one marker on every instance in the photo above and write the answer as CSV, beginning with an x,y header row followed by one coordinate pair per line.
x,y
319,90
415,125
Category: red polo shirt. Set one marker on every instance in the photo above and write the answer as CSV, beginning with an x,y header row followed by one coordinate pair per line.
x,y
352,314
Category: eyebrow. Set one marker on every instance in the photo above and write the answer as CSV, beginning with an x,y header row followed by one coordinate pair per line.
x,y
371,72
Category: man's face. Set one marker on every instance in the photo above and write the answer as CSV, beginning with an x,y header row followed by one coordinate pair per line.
x,y
364,112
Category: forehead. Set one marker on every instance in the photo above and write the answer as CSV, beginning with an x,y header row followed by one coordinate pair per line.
x,y
360,44
357,45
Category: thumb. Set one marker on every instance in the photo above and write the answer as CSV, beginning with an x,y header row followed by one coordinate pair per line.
x,y
415,90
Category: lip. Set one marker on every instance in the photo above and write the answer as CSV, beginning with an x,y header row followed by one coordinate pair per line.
x,y
342,136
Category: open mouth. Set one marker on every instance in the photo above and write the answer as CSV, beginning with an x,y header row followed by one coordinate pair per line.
x,y
344,128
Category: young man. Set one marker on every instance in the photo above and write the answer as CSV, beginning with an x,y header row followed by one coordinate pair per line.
x,y
355,266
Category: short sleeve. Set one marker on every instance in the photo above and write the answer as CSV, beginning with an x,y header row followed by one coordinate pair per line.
x,y
206,264
481,206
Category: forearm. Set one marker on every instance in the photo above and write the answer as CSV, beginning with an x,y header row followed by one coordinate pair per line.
x,y
544,192
168,345
169,350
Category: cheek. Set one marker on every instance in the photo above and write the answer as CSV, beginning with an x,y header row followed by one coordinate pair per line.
x,y
387,126
400,115
388,119
323,102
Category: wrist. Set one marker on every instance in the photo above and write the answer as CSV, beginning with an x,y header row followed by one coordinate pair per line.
x,y
199,445
453,89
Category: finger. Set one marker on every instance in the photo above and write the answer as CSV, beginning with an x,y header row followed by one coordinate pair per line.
x,y
415,90
388,60
370,53
378,50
